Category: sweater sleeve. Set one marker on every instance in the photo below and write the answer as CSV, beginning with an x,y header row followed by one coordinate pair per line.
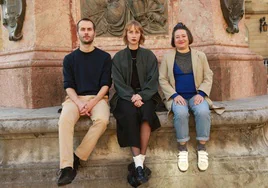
x,y
203,94
68,76
106,79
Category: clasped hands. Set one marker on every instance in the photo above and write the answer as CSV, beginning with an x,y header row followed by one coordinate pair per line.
x,y
137,100
85,107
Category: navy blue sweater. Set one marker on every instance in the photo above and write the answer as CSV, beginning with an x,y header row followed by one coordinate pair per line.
x,y
86,73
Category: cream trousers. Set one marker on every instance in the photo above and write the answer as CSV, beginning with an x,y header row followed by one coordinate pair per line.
x,y
69,116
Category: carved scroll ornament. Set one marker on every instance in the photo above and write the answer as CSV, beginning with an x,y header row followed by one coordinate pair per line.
x,y
13,12
233,11
111,16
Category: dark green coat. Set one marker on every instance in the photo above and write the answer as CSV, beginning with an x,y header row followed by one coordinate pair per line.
x,y
147,67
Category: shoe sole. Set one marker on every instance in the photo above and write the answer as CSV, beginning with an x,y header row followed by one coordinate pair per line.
x,y
182,169
62,184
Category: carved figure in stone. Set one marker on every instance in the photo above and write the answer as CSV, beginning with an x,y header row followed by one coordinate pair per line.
x,y
111,16
13,13
233,11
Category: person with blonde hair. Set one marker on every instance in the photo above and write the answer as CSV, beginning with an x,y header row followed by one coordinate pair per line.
x,y
135,76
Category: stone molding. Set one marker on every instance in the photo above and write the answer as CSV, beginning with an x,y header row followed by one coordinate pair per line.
x,y
32,58
48,123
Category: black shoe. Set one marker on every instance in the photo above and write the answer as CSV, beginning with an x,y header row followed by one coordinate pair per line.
x,y
132,177
147,172
76,163
131,169
141,177
66,176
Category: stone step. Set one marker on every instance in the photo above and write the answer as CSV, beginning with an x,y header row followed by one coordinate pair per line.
x,y
244,171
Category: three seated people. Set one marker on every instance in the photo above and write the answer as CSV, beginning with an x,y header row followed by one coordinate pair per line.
x,y
184,77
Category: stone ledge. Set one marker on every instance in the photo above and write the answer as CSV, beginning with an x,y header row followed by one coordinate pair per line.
x,y
237,150
251,111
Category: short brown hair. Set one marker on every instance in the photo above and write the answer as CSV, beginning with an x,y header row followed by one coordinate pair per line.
x,y
180,25
137,26
85,19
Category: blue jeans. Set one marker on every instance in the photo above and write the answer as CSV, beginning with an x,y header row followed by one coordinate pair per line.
x,y
181,120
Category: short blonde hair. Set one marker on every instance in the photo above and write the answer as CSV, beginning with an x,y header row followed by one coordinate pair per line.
x,y
137,26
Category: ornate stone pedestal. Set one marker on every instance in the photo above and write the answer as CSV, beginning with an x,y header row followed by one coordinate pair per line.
x,y
30,69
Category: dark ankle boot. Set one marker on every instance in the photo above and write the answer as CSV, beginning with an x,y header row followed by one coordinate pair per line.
x,y
76,163
66,176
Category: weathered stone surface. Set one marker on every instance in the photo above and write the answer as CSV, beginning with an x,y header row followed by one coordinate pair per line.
x,y
238,150
31,79
50,33
223,172
31,69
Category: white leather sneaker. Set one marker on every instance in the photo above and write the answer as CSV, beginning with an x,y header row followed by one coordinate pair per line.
x,y
183,161
202,162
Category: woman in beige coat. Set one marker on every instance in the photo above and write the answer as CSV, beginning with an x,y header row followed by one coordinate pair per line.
x,y
186,80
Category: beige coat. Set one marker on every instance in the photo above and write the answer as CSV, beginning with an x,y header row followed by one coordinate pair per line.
x,y
202,76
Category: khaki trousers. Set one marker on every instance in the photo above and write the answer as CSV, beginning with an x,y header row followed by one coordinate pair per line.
x,y
69,116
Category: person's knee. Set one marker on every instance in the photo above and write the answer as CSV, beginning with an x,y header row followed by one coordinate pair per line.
x,y
203,112
102,122
180,113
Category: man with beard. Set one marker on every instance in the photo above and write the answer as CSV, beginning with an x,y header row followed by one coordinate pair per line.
x,y
87,78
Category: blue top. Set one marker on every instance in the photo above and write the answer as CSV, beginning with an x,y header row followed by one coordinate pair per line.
x,y
86,73
184,83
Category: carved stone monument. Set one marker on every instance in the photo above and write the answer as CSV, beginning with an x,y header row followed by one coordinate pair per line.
x,y
13,12
31,69
111,16
233,11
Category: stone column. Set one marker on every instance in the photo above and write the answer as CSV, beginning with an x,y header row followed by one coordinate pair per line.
x,y
238,72
31,68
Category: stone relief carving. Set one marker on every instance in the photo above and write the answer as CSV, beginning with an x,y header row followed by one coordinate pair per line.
x,y
13,12
233,11
110,16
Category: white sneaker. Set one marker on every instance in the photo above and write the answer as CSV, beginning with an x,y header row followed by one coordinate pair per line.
x,y
183,161
202,160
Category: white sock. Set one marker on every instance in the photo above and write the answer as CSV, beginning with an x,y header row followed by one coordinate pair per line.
x,y
143,158
138,161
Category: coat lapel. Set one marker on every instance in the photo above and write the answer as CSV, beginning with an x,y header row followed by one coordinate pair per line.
x,y
129,65
140,66
170,63
194,63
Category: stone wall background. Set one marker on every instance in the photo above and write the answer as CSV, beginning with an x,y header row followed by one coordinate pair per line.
x,y
1,41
